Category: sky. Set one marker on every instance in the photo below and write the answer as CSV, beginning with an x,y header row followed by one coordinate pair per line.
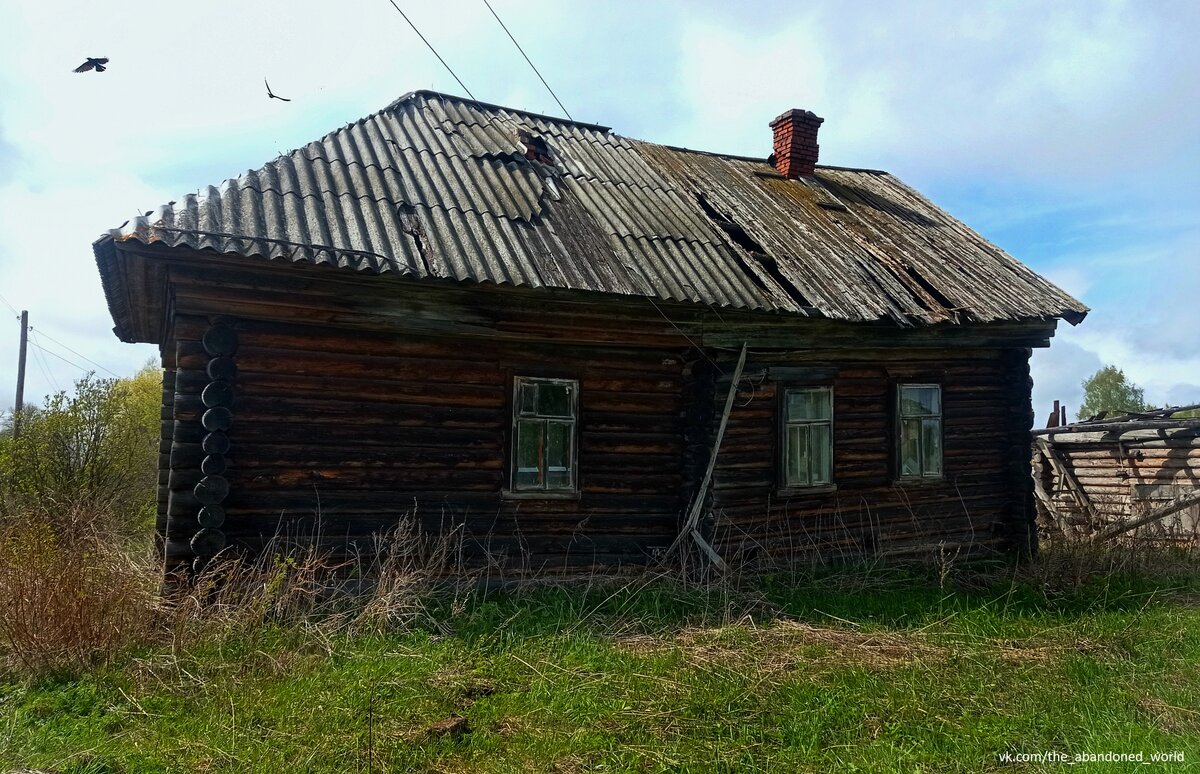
x,y
1068,133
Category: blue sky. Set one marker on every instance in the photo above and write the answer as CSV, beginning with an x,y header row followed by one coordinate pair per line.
x,y
1066,132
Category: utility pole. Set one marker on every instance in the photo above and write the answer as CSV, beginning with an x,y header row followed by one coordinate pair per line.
x,y
21,374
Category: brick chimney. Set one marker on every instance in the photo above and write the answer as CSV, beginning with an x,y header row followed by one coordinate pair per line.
x,y
796,143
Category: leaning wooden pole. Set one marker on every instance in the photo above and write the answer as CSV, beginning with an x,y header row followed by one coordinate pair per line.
x,y
20,401
1154,515
693,519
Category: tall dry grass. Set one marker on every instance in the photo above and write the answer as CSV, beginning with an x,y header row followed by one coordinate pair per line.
x,y
291,583
1065,565
69,598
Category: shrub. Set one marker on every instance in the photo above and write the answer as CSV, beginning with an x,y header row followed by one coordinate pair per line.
x,y
88,455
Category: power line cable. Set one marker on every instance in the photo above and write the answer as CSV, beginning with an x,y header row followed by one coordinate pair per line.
x,y
40,359
73,352
685,336
10,306
60,357
527,59
47,371
434,50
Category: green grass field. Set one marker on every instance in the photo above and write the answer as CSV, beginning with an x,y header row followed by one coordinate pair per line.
x,y
839,670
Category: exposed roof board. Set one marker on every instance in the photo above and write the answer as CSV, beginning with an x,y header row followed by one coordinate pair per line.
x,y
438,186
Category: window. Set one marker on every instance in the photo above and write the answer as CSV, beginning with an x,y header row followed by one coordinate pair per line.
x,y
808,437
920,417
544,413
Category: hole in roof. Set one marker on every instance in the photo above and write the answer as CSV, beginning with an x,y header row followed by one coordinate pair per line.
x,y
735,232
536,148
933,292
743,240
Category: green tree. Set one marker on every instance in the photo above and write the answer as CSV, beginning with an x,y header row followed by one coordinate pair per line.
x,y
90,455
1109,390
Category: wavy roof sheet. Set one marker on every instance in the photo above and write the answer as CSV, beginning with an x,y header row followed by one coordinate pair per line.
x,y
438,186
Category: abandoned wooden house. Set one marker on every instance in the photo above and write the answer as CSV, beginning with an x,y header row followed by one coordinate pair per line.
x,y
1133,475
574,348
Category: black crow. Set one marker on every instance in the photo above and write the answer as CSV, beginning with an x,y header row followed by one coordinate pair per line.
x,y
272,94
93,63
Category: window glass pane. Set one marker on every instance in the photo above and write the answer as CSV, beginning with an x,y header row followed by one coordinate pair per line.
x,y
808,404
820,454
530,454
931,399
823,400
910,447
558,455
797,459
910,403
554,400
527,398
931,444
797,405
917,401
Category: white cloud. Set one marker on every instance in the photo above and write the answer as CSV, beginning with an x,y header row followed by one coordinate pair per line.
x,y
1058,374
1075,280
727,107
1183,394
963,89
49,269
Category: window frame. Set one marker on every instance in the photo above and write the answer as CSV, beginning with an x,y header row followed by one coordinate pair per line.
x,y
900,416
786,485
512,491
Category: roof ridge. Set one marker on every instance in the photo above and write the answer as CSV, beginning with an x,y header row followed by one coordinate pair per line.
x,y
491,106
758,159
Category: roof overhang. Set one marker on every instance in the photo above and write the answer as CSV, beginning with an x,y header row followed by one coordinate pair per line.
x,y
135,287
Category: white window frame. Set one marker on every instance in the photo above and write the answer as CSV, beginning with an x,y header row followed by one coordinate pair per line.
x,y
519,415
923,475
786,425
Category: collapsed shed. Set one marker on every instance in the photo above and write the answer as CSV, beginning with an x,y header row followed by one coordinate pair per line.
x,y
1135,475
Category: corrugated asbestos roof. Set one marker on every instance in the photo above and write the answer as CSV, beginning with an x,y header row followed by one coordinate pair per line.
x,y
438,186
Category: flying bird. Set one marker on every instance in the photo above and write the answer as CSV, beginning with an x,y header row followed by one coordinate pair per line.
x,y
272,94
96,63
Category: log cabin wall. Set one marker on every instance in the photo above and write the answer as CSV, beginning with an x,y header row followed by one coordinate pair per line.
x,y
981,502
343,427
359,404
339,436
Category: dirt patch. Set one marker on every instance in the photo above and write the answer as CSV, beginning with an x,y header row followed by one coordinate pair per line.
x,y
454,727
784,644
1042,651
466,687
1168,717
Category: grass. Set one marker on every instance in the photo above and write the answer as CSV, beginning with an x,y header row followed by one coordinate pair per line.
x,y
837,669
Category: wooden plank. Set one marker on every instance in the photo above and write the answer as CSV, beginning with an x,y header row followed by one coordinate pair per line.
x,y
1155,515
1065,473
1048,503
693,518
